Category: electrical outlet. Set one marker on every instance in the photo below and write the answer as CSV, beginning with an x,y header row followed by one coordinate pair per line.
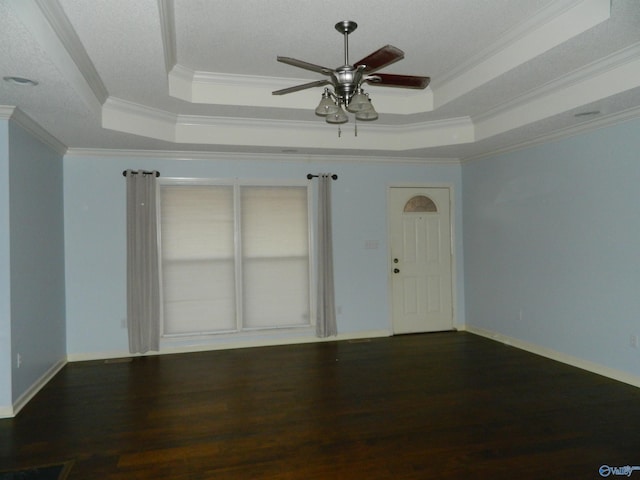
x,y
633,340
18,360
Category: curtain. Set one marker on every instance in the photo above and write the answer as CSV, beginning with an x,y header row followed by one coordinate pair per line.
x,y
326,313
143,283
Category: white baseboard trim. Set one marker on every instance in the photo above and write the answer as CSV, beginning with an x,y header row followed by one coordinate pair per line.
x,y
8,412
262,342
592,367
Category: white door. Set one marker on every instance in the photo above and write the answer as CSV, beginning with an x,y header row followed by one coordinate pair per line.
x,y
421,263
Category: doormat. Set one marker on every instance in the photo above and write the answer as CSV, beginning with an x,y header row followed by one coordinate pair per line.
x,y
58,471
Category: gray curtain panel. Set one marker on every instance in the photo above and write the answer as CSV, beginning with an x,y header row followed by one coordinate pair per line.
x,y
143,282
326,314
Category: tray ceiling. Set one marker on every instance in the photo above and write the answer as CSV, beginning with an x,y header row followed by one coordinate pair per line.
x,y
197,75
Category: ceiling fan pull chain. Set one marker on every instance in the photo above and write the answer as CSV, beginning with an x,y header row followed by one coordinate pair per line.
x,y
355,128
339,131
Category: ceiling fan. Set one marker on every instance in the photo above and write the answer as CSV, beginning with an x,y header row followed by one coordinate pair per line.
x,y
347,80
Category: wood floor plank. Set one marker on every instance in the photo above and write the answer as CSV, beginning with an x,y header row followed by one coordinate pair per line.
x,y
446,406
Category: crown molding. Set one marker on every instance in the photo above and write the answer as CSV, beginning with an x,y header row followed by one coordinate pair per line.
x,y
614,74
16,115
255,91
617,73
166,10
553,26
188,155
128,117
585,127
6,111
513,35
612,62
54,14
312,125
267,133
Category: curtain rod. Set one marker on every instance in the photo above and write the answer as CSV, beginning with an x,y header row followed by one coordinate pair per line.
x,y
310,176
144,172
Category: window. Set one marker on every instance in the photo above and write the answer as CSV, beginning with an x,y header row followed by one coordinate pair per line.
x,y
420,203
233,257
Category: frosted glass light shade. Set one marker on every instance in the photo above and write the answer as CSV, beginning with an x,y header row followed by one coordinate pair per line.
x,y
326,107
338,117
368,114
359,103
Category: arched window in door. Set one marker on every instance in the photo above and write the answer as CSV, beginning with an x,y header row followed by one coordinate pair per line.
x,y
420,203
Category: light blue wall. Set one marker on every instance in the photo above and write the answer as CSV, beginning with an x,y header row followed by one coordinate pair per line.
x,y
95,232
551,239
37,258
550,245
5,284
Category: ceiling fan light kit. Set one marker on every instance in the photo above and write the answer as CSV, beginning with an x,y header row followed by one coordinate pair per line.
x,y
359,102
346,81
367,115
340,116
327,105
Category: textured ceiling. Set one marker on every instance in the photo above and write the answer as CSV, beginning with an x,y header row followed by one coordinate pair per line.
x,y
197,75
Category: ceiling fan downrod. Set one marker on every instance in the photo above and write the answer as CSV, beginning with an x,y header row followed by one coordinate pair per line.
x,y
347,79
346,27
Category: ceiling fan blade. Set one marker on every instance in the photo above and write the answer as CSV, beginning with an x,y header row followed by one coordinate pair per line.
x,y
381,58
402,81
304,86
306,65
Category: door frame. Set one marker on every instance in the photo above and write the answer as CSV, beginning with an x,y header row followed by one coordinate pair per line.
x,y
452,222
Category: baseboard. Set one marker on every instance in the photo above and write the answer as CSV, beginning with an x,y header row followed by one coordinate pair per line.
x,y
8,412
592,367
263,342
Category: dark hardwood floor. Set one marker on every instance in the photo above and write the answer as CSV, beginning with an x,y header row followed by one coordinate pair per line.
x,y
445,406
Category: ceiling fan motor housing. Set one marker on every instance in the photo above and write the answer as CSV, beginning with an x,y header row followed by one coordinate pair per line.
x,y
346,81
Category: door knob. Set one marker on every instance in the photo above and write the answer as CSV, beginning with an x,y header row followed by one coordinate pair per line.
x,y
396,270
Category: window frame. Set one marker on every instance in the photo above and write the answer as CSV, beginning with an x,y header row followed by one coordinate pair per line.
x,y
237,184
